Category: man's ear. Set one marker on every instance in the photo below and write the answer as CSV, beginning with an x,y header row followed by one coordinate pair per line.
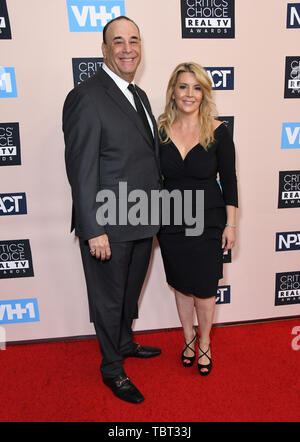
x,y
103,48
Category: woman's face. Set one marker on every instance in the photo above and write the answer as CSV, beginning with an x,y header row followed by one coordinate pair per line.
x,y
187,93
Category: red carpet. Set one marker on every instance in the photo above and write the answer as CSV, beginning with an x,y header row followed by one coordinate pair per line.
x,y
255,378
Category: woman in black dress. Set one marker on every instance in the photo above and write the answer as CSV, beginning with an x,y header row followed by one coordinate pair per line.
x,y
195,150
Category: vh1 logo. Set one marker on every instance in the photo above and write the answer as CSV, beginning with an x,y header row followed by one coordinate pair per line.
x,y
8,85
290,136
93,15
19,310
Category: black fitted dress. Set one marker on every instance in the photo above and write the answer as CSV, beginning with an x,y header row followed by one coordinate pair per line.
x,y
194,264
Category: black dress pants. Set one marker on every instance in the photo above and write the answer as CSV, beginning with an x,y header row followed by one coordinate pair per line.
x,y
113,289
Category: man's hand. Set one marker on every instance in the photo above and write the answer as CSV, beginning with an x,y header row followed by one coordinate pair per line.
x,y
100,248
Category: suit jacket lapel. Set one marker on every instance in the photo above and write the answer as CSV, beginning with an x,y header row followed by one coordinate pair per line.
x,y
119,98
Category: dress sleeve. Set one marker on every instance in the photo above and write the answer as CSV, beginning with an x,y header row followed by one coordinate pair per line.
x,y
226,166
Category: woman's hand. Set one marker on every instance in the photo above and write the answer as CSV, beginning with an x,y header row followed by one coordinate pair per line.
x,y
228,238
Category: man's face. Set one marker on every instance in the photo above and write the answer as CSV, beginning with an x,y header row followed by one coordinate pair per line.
x,y
122,51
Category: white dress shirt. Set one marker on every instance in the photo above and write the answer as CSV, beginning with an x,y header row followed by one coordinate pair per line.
x,y
123,86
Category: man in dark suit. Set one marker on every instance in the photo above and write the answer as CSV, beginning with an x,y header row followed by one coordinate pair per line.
x,y
111,137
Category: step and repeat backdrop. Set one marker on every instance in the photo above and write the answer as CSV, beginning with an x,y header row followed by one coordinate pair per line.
x,y
251,52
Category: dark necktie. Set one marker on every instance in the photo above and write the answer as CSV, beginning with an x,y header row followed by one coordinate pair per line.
x,y
140,109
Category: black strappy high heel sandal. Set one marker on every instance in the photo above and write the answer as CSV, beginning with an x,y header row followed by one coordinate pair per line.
x,y
204,370
188,361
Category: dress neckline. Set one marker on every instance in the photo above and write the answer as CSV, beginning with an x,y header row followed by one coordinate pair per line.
x,y
192,148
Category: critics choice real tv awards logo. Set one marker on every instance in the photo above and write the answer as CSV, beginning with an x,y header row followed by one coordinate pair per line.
x,y
5,31
10,154
84,68
289,189
287,288
207,18
92,15
292,77
15,259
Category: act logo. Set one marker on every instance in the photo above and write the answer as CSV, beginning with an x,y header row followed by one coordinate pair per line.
x,y
8,85
223,295
13,204
93,15
221,78
287,241
293,15
5,31
290,136
19,310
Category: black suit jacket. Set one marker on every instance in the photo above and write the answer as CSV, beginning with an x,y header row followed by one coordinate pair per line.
x,y
106,143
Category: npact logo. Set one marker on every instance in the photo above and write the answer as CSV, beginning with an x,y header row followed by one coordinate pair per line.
x,y
287,241
93,15
222,77
5,31
19,310
13,204
293,15
223,295
8,85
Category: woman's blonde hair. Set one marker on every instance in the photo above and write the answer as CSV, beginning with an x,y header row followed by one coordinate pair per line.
x,y
207,107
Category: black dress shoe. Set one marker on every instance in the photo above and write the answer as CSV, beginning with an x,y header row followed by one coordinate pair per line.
x,y
142,351
124,389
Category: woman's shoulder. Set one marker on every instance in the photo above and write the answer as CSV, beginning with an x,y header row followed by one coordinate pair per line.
x,y
216,124
221,131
